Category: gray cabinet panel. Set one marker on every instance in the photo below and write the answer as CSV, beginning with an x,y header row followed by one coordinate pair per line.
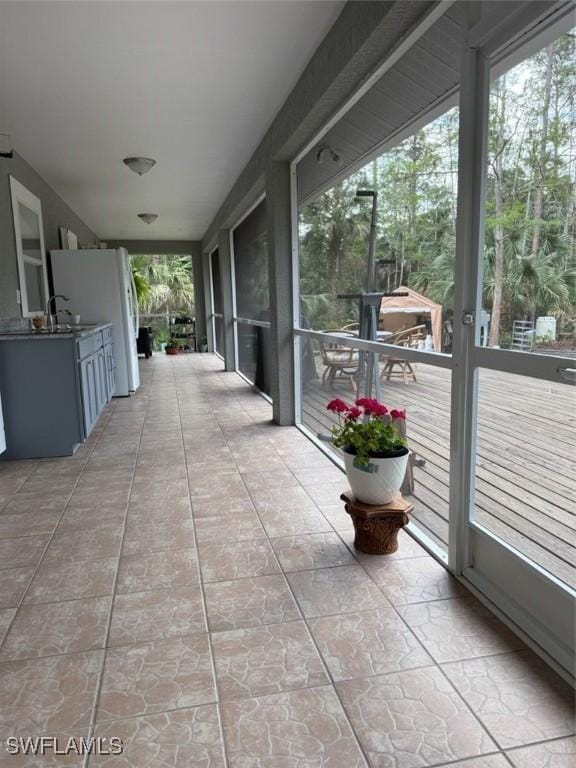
x,y
101,386
89,397
41,397
85,347
110,367
53,391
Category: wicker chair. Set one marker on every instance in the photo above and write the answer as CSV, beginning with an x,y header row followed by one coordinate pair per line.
x,y
339,361
409,337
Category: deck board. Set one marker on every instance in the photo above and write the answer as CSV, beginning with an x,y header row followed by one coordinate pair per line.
x,y
526,457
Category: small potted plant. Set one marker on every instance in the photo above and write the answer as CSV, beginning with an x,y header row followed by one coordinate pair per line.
x,y
204,344
172,347
375,453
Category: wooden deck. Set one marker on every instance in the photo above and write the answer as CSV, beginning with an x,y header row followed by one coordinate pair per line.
x,y
526,458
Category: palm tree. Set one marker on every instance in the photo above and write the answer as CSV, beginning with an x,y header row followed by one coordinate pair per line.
x,y
141,285
166,283
544,282
435,279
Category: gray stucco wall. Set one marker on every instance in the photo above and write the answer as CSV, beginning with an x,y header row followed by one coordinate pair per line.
x,y
55,213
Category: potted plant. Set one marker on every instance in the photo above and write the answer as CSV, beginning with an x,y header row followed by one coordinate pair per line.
x,y
172,347
375,453
204,344
161,337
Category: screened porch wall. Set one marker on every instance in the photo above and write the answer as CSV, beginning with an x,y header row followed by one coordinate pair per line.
x,y
251,287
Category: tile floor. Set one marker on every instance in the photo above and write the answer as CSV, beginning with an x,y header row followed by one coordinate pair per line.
x,y
187,583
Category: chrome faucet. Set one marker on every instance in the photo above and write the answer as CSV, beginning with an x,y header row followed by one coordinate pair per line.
x,y
49,302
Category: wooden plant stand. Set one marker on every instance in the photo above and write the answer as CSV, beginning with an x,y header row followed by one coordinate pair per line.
x,y
376,526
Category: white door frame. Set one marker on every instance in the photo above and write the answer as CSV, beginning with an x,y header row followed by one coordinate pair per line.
x,y
213,314
530,598
535,603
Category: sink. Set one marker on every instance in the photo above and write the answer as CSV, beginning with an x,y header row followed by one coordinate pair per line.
x,y
56,331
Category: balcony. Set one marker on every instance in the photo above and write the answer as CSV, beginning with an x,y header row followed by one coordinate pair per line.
x,y
186,583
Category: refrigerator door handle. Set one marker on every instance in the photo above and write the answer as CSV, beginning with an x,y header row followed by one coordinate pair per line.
x,y
135,307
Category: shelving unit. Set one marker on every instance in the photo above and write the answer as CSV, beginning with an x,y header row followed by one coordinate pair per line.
x,y
183,332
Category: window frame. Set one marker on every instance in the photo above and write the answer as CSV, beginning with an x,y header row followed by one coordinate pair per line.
x,y
20,195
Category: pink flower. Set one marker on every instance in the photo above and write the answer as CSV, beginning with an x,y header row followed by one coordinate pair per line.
x,y
397,413
353,413
338,406
372,407
379,410
366,402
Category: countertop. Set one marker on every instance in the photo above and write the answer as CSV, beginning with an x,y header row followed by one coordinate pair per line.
x,y
74,333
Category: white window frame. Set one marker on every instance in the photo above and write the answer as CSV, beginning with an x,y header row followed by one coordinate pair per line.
x,y
21,195
213,315
486,564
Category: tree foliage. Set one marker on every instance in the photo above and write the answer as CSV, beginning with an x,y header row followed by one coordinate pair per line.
x,y
530,214
164,284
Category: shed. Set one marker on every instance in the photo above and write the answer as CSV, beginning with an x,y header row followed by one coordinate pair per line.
x,y
400,312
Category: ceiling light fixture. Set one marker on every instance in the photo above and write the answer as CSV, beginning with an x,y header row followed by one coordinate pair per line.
x,y
139,165
324,150
148,218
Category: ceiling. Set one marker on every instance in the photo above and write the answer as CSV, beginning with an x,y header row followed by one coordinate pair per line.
x,y
194,85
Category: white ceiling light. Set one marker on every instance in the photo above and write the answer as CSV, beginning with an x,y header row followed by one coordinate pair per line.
x,y
148,218
139,165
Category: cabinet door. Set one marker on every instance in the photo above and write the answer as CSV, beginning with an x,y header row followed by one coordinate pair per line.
x,y
101,387
88,385
110,366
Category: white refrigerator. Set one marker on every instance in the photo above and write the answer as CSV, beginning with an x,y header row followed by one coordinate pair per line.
x,y
100,288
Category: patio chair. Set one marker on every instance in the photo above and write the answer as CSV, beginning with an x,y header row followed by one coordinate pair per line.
x,y
339,361
409,337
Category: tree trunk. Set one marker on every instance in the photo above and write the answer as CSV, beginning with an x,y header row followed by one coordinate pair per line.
x,y
538,208
494,337
335,245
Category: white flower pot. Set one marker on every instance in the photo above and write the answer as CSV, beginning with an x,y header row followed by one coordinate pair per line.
x,y
377,482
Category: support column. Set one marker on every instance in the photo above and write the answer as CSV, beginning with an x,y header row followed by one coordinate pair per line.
x,y
278,211
224,251
472,164
208,303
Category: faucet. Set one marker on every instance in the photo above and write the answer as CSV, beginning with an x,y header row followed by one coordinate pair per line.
x,y
50,300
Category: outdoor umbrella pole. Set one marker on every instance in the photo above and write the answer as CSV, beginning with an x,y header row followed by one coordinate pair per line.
x,y
368,310
367,378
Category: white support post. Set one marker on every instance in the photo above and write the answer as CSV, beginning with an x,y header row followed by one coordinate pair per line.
x,y
474,103
208,300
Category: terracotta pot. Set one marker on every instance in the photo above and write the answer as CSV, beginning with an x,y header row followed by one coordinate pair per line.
x,y
171,350
380,480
